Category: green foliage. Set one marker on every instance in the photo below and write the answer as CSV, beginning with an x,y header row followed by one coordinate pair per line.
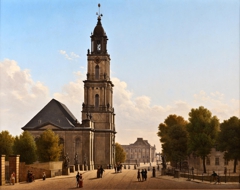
x,y
6,143
229,139
25,146
202,130
173,136
48,147
120,153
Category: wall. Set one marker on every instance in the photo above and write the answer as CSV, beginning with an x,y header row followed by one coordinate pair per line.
x,y
51,169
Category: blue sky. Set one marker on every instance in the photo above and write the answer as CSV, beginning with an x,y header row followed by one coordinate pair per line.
x,y
166,58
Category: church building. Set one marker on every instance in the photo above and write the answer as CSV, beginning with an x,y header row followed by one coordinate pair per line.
x,y
93,140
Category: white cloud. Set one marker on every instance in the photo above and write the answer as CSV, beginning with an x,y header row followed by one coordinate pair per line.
x,y
72,95
136,117
218,105
20,98
71,56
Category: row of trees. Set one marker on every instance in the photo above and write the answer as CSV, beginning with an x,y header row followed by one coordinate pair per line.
x,y
45,148
198,135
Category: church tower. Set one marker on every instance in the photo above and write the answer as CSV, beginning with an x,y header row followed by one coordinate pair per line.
x,y
98,97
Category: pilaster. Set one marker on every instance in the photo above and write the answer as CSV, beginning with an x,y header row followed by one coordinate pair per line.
x,y
2,170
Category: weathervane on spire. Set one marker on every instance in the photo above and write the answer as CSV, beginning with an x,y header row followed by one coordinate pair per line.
x,y
98,13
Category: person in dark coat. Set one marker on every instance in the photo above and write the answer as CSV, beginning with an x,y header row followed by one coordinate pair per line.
x,y
139,175
98,172
145,174
101,171
142,172
77,179
153,172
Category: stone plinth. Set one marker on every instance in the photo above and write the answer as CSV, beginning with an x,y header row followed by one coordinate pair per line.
x,y
77,168
14,166
82,167
2,170
65,171
72,168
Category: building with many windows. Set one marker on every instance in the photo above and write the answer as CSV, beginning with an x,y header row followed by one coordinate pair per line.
x,y
214,162
140,151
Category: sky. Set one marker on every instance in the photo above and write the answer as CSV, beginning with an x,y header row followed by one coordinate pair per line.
x,y
167,57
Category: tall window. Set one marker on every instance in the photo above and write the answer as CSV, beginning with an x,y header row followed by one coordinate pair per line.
x,y
217,161
208,161
225,162
96,101
97,72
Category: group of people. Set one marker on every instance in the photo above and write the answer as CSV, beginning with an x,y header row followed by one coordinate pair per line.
x,y
79,179
100,171
142,175
30,176
118,167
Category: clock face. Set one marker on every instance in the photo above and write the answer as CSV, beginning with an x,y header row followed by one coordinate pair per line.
x,y
97,60
98,47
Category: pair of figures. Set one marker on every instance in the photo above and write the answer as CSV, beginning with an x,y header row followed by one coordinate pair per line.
x,y
79,179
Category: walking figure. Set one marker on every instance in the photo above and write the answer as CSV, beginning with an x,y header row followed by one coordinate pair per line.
x,y
154,172
145,174
139,175
214,175
101,171
98,172
77,179
142,172
80,181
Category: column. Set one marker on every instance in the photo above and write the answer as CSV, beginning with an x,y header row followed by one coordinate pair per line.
x,y
2,170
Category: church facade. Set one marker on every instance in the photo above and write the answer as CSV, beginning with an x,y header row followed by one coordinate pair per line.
x,y
93,140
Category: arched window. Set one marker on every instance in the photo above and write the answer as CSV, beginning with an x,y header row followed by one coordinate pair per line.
x,y
96,101
97,72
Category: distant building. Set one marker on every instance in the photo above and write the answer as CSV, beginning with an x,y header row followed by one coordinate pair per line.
x,y
214,162
140,151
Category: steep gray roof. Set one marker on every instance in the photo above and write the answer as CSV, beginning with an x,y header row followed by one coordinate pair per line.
x,y
54,113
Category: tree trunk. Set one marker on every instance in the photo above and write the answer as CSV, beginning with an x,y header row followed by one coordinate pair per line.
x,y
235,165
204,166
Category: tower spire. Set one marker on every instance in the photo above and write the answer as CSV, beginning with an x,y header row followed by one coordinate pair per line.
x,y
98,13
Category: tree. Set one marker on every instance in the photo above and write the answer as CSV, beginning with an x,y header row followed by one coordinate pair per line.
x,y
173,136
48,147
202,130
229,139
25,146
120,153
6,143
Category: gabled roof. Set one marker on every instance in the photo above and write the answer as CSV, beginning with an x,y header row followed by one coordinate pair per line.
x,y
55,113
140,141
